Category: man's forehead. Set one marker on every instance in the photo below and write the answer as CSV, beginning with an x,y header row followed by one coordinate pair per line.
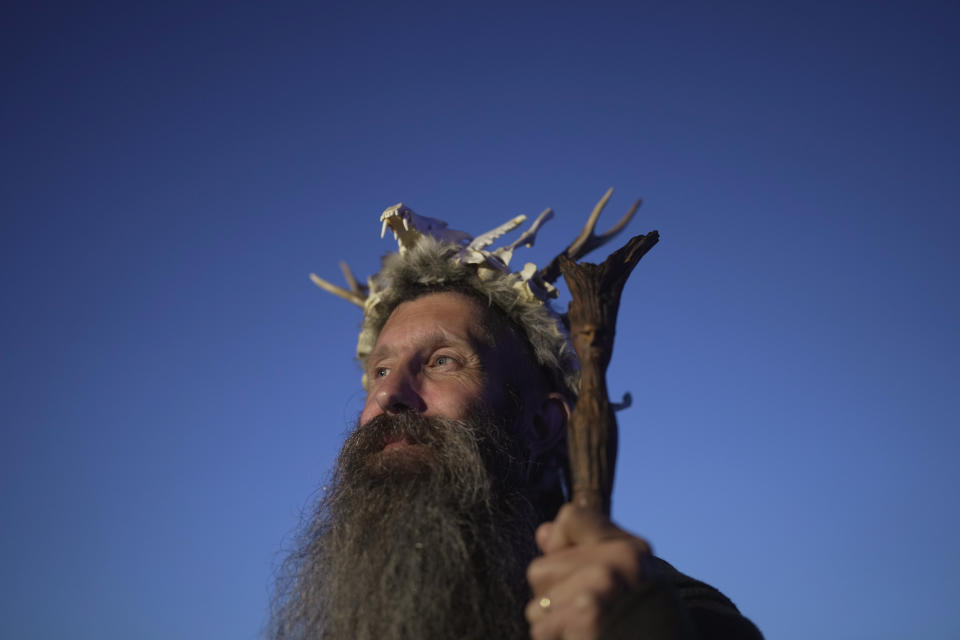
x,y
437,317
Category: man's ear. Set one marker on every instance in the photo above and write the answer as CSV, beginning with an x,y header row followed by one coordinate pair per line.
x,y
549,424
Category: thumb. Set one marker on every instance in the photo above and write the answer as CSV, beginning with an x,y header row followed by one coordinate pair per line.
x,y
543,535
576,525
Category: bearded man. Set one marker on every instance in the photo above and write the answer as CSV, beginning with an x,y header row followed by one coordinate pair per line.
x,y
445,515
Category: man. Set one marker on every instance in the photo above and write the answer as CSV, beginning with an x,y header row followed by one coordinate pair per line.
x,y
445,515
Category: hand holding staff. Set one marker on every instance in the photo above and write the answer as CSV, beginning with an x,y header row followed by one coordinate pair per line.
x,y
588,563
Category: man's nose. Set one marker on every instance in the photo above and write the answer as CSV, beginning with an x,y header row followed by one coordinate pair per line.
x,y
398,393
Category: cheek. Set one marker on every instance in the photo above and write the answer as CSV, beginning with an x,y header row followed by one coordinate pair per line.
x,y
453,400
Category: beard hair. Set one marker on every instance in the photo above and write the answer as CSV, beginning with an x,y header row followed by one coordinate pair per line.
x,y
421,542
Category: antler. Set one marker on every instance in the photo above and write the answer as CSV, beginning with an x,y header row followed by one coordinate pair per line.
x,y
587,241
526,238
357,294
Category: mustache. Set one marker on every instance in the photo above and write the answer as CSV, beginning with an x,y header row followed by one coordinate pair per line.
x,y
450,444
415,428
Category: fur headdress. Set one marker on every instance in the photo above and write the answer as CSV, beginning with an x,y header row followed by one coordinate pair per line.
x,y
431,257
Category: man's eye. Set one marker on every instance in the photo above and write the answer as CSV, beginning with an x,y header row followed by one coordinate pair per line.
x,y
440,361
380,372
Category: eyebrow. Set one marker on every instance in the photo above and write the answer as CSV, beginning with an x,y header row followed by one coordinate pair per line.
x,y
434,339
378,353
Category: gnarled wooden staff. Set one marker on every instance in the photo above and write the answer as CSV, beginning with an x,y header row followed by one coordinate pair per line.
x,y
592,316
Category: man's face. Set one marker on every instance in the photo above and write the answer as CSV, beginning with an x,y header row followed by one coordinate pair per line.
x,y
428,523
435,356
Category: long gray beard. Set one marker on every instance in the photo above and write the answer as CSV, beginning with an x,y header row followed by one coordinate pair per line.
x,y
424,542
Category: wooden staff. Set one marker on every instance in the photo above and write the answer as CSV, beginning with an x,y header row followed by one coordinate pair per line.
x,y
592,316
592,433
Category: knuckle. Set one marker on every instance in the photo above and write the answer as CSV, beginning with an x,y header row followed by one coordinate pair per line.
x,y
601,579
641,552
587,605
541,531
530,612
629,547
536,571
593,573
633,552
644,545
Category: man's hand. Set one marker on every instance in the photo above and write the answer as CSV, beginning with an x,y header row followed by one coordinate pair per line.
x,y
588,563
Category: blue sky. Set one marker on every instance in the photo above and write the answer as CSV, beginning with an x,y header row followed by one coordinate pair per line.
x,y
173,388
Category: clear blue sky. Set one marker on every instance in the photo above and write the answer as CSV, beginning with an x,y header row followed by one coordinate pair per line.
x,y
173,388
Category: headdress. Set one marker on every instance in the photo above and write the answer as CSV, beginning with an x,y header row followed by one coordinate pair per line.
x,y
431,256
